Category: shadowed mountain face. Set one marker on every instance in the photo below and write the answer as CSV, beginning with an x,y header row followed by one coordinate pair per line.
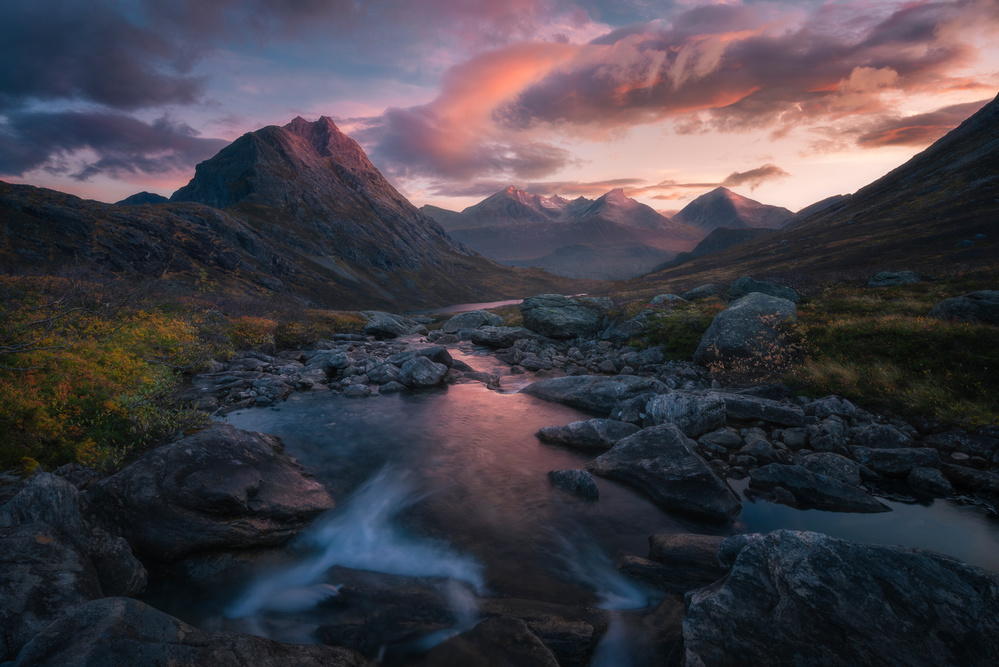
x,y
924,216
723,208
297,209
612,237
719,239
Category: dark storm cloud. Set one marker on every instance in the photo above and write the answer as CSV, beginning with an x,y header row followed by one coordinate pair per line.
x,y
122,144
918,129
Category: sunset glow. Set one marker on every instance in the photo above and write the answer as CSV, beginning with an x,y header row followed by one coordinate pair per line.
x,y
457,100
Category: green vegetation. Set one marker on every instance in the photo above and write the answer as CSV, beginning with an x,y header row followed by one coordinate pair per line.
x,y
677,328
91,369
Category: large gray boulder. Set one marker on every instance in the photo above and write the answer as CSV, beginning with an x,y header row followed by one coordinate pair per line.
x,y
746,285
594,393
980,306
472,320
120,631
53,558
590,435
746,329
661,462
813,490
557,316
743,407
420,372
805,599
693,414
386,325
221,487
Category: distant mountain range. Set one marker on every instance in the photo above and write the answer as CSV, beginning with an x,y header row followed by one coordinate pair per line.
x,y
297,209
613,237
936,212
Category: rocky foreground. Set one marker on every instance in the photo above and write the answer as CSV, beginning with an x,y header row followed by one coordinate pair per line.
x,y
76,547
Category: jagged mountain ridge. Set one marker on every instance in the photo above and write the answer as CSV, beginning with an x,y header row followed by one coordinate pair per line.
x,y
297,209
611,237
921,216
723,208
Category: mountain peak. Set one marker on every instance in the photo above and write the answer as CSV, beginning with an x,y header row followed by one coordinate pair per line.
x,y
723,208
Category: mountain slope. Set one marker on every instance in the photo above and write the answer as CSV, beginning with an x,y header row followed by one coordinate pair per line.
x,y
297,209
914,217
723,208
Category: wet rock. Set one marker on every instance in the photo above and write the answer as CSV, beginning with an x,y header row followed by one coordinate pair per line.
x,y
500,337
495,642
577,482
683,562
384,374
693,414
893,278
746,285
982,306
472,320
391,388
794,438
570,632
421,372
557,316
881,436
832,465
383,325
357,390
596,394
120,631
969,479
896,462
930,479
812,490
590,435
723,437
804,599
829,435
221,487
747,329
972,444
632,410
742,407
703,292
660,461
436,353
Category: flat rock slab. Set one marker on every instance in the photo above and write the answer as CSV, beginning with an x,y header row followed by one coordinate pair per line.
x,y
814,490
593,393
661,462
221,487
678,563
801,599
590,435
897,462
490,336
693,414
742,407
122,631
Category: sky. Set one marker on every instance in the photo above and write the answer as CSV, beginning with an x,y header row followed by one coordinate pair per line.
x,y
454,100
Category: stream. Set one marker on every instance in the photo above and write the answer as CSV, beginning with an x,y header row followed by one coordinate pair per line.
x,y
451,483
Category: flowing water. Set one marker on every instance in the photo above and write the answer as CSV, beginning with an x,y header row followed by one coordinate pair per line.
x,y
451,483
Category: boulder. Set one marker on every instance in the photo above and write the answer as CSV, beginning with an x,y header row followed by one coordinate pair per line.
x,y
499,337
666,299
598,394
746,285
972,444
472,320
692,560
693,414
384,373
881,436
436,353
746,329
589,435
221,487
660,461
421,372
893,278
980,306
557,316
577,482
980,481
832,465
930,480
812,490
570,632
495,642
120,631
829,435
807,599
703,292
896,462
743,407
386,325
